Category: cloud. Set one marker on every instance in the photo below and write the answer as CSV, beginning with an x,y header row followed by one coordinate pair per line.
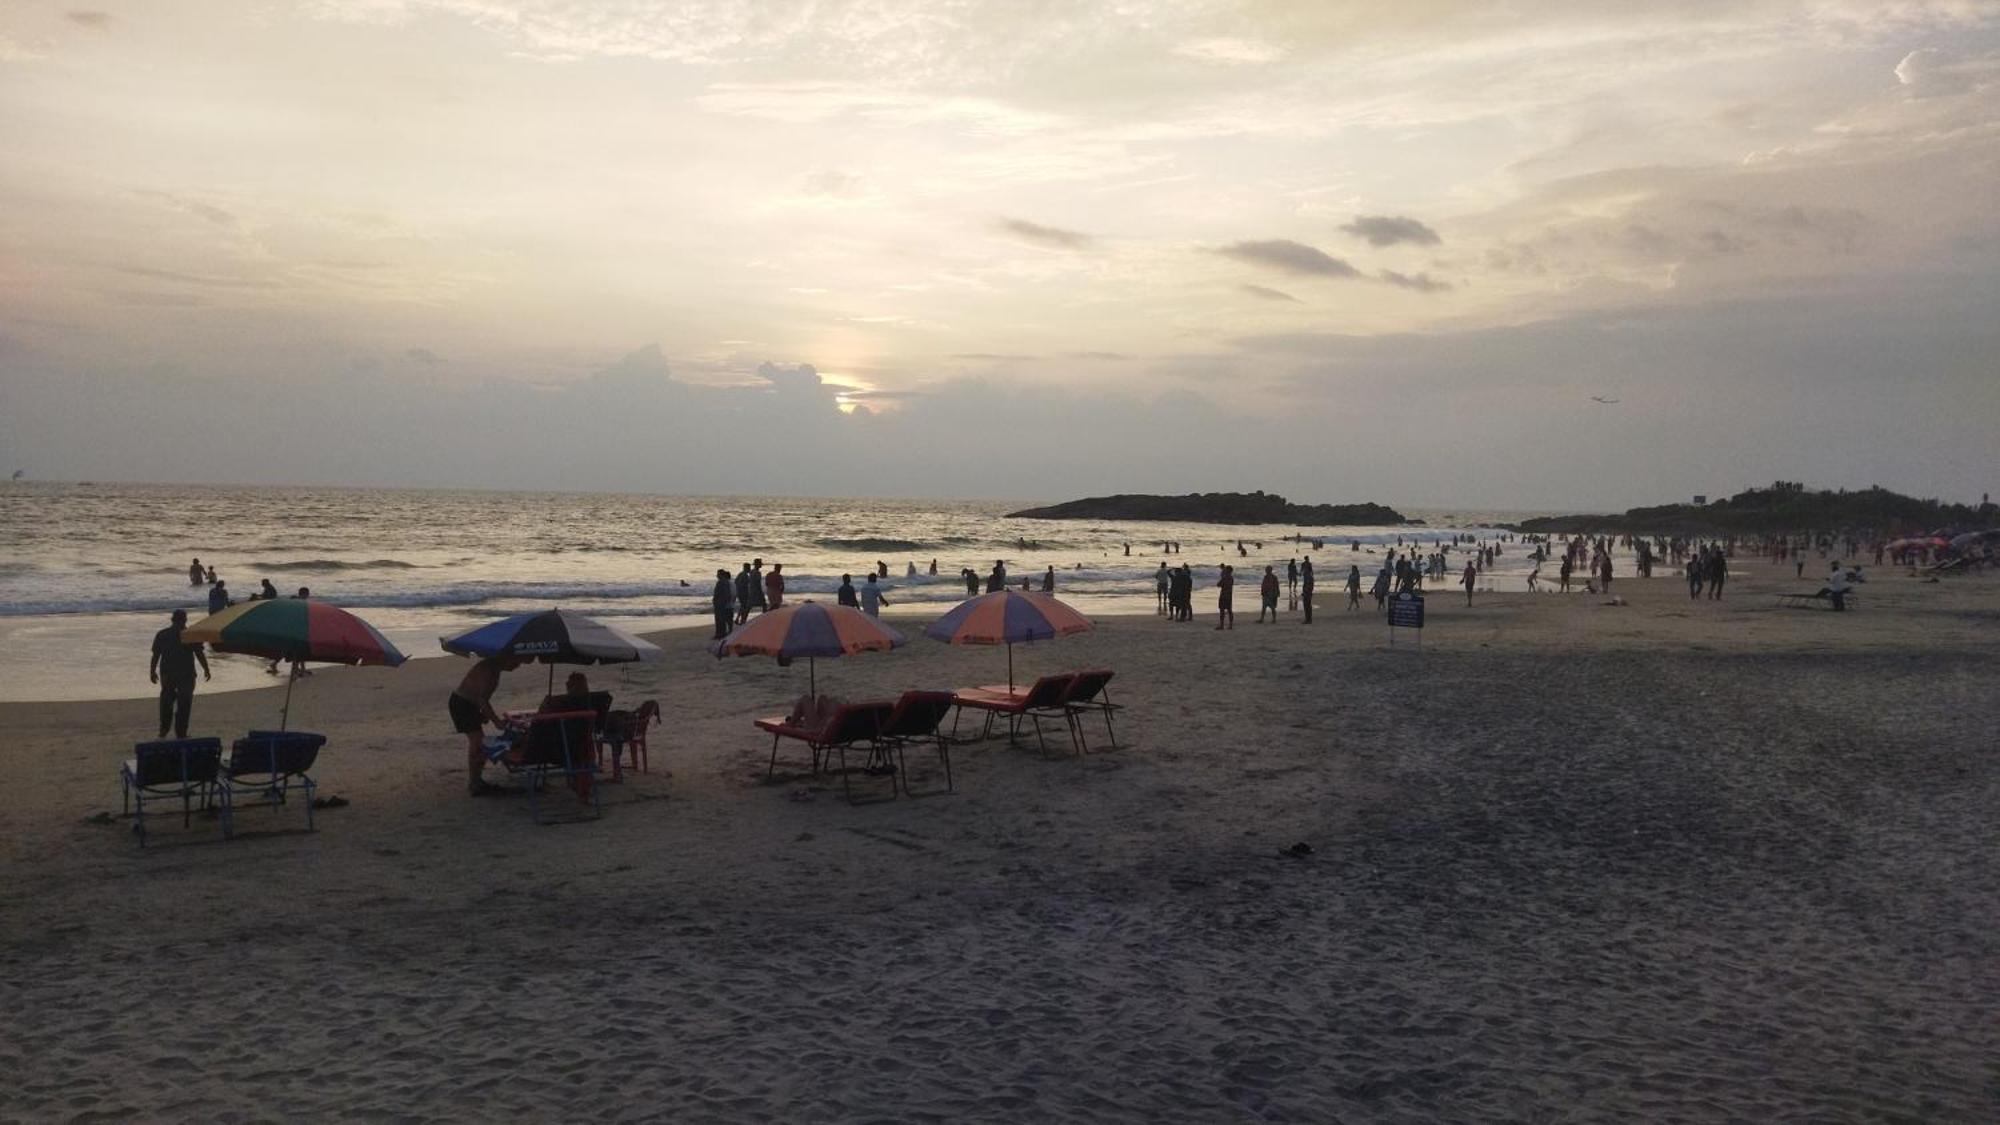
x,y
1422,282
97,21
195,207
1389,230
1053,238
802,377
198,279
1286,256
424,356
1230,52
1268,294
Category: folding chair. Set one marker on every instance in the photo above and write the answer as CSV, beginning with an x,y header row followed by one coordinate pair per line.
x,y
849,725
1090,691
1043,700
187,768
918,717
268,763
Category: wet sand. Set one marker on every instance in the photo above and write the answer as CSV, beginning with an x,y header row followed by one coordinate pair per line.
x,y
1667,861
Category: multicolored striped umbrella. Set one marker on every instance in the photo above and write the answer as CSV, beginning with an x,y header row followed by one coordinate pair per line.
x,y
1008,617
811,630
298,630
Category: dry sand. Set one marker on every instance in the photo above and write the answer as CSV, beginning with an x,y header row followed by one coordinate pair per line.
x,y
1666,861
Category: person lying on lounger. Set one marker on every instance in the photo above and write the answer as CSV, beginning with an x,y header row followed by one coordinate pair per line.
x,y
812,712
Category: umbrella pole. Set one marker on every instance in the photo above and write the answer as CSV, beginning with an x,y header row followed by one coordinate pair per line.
x,y
1010,669
285,715
552,679
812,677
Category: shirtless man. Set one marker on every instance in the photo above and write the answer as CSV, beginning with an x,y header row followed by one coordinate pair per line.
x,y
472,708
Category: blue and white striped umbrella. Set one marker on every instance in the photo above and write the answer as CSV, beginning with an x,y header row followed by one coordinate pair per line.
x,y
555,636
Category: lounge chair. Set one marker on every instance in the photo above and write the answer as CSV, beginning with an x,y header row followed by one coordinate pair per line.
x,y
1089,691
187,768
1042,701
554,744
849,725
918,718
266,764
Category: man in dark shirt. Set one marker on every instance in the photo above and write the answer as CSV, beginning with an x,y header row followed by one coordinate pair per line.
x,y
172,668
847,595
724,600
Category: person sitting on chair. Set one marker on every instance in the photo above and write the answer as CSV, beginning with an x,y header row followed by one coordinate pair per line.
x,y
577,696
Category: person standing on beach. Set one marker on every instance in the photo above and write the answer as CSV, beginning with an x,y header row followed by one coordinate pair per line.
x,y
743,585
218,597
1162,581
172,667
845,595
1306,588
774,587
1718,573
1049,580
1354,587
757,586
471,707
997,580
1225,599
1292,580
1471,577
872,600
724,601
1268,601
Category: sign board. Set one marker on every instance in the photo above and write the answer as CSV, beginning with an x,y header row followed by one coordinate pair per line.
x,y
1406,611
1700,500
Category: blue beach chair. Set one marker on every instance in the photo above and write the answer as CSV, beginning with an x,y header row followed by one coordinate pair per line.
x,y
267,764
184,768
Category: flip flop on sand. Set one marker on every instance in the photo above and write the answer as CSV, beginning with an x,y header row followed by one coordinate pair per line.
x,y
330,802
1299,850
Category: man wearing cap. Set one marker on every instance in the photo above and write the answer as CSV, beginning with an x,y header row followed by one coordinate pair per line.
x,y
172,668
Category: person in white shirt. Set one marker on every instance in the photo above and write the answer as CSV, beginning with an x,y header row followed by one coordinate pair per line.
x,y
872,600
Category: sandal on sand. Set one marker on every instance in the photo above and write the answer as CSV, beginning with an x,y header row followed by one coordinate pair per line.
x,y
1299,850
330,802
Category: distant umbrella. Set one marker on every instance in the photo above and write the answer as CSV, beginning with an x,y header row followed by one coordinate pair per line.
x,y
811,630
1007,617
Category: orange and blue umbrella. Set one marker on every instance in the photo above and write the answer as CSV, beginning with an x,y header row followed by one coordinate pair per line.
x,y
1007,617
299,630
811,630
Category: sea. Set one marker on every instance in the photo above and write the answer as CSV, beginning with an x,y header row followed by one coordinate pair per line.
x,y
89,571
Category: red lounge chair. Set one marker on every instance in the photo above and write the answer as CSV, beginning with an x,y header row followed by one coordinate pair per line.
x,y
1043,700
849,724
562,743
1089,691
917,718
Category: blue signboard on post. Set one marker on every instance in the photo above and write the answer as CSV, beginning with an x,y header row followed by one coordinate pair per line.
x,y
1406,611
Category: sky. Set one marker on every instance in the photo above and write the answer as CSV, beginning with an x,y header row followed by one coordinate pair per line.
x,y
1389,252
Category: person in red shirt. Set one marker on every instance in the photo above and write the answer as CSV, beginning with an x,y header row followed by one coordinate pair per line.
x,y
774,587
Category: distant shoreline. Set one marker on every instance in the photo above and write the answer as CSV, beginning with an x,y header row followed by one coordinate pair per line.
x,y
1234,508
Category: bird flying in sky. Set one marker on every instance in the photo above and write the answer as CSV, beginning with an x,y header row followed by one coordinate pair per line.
x,y
1602,399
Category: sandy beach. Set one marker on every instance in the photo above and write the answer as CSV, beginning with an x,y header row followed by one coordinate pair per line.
x,y
1665,861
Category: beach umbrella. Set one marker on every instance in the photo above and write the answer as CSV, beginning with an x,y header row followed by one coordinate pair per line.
x,y
298,630
554,636
1008,617
811,630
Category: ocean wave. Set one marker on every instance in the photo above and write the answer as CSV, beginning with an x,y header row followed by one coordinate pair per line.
x,y
334,564
869,544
